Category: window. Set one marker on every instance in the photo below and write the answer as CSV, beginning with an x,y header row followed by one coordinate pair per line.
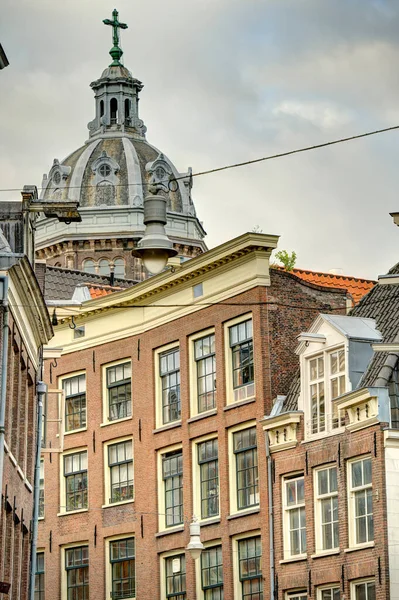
x,y
104,170
198,290
89,266
209,478
114,110
123,566
241,346
39,577
127,108
103,265
101,108
246,462
172,475
119,267
169,370
250,568
119,391
364,590
296,596
75,474
361,501
329,593
75,402
41,490
212,573
204,355
326,509
295,520
120,463
77,569
175,577
337,384
317,399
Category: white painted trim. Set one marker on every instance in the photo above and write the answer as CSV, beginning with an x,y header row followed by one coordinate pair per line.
x,y
193,372
232,467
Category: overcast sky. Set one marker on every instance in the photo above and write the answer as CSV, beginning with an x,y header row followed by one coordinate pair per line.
x,y
228,81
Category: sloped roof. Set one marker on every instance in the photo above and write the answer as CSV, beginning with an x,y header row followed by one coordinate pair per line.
x,y
60,283
97,291
355,286
354,326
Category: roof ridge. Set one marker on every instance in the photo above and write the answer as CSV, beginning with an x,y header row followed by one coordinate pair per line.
x,y
326,273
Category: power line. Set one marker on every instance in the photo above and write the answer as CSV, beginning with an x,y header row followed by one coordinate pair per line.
x,y
242,164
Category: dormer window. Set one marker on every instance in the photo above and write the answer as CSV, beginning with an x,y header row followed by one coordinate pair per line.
x,y
317,395
105,170
57,178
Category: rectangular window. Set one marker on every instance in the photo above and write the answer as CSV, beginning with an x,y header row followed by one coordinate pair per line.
x,y
364,590
361,501
209,477
337,384
330,593
75,402
119,389
317,398
39,576
77,568
296,595
175,577
327,508
204,355
169,370
250,568
120,462
212,573
246,457
295,519
241,345
75,473
123,565
41,490
172,475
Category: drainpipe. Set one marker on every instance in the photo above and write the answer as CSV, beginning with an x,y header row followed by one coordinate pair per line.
x,y
271,516
41,392
4,363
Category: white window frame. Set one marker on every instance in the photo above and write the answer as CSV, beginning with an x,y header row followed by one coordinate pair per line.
x,y
107,472
286,515
318,499
42,489
248,390
358,582
193,373
162,563
158,386
108,564
352,499
106,420
63,510
232,470
197,478
296,594
64,399
331,587
198,568
161,489
236,563
64,589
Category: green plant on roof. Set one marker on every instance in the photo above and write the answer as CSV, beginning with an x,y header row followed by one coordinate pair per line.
x,y
288,260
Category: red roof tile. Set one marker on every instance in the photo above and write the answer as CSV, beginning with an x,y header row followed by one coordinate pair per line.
x,y
101,290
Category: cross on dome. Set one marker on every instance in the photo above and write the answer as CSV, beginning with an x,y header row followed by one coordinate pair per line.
x,y
115,52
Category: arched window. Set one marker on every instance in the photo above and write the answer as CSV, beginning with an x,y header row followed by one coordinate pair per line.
x,y
127,108
89,266
114,110
101,108
103,267
119,267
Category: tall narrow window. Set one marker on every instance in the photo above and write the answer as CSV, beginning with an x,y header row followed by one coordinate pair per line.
x,y
212,573
169,370
337,384
75,473
242,354
175,576
364,590
77,568
204,354
327,508
317,399
41,490
103,265
246,456
295,518
75,402
101,108
250,568
114,111
39,577
361,500
89,266
123,565
119,267
120,462
127,108
172,474
209,473
119,387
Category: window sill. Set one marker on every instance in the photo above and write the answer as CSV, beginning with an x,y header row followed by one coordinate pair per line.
x,y
208,413
322,435
170,531
239,403
211,521
293,559
116,421
326,553
360,547
75,431
72,512
166,427
244,513
122,502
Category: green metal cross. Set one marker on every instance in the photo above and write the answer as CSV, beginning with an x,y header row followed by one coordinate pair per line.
x,y
116,52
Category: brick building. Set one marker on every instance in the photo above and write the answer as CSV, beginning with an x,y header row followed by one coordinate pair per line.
x,y
140,436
